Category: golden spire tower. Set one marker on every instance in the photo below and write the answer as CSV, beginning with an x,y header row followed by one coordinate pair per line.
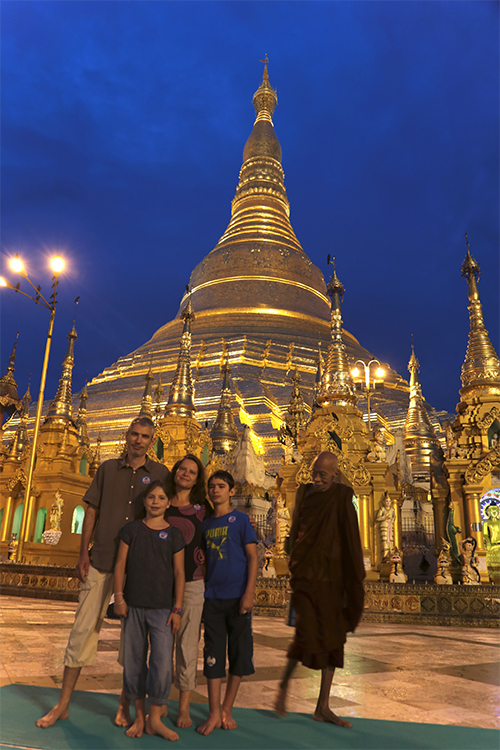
x,y
419,438
61,408
147,396
9,398
180,397
481,368
297,418
21,438
81,420
224,434
337,385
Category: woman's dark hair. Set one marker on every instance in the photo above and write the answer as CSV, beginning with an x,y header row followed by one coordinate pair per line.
x,y
151,487
198,492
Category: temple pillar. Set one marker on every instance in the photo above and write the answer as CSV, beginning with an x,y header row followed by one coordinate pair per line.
x,y
439,497
289,487
365,506
474,526
456,468
6,519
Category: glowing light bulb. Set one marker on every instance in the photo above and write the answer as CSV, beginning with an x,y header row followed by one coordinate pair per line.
x,y
2,281
355,372
57,263
380,372
16,264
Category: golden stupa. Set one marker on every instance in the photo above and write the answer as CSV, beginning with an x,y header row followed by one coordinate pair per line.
x,y
259,304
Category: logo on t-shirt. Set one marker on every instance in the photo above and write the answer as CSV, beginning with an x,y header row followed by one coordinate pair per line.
x,y
163,534
231,519
146,480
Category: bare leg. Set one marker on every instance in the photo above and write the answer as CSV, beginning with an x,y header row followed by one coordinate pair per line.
x,y
61,709
280,704
233,683
123,718
214,720
183,717
154,724
137,727
323,711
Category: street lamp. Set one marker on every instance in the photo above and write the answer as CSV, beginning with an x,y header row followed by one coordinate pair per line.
x,y
379,376
57,265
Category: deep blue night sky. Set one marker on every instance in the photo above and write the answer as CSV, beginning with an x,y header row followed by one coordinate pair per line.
x,y
123,126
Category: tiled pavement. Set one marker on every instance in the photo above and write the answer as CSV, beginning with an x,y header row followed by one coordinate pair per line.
x,y
397,672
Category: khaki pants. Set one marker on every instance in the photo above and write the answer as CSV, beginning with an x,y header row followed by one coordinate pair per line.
x,y
188,636
95,594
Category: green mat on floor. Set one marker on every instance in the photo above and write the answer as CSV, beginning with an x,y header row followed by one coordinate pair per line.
x,y
90,727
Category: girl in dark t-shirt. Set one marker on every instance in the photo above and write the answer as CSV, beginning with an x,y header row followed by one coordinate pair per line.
x,y
188,507
151,552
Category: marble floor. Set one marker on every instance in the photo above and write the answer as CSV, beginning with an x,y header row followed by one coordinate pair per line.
x,y
396,672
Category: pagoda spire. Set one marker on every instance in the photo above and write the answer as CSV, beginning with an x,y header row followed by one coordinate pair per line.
x,y
147,396
9,398
81,421
21,438
224,433
181,393
336,384
158,398
481,367
61,406
419,437
296,419
317,379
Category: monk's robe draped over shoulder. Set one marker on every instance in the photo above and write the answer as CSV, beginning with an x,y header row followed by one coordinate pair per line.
x,y
327,572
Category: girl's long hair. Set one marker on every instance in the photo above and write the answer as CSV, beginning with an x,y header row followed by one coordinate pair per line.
x,y
198,492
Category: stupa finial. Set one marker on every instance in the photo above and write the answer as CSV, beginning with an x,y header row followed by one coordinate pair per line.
x,y
265,98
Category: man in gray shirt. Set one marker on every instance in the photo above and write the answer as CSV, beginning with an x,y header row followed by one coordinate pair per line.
x,y
114,498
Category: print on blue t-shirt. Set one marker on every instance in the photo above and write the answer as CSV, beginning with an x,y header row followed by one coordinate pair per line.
x,y
224,539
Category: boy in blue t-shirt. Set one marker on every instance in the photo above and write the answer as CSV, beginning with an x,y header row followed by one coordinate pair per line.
x,y
230,547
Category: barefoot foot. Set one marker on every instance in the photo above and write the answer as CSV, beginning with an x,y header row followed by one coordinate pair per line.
x,y
227,720
136,729
55,714
325,714
280,702
213,722
184,719
156,726
123,718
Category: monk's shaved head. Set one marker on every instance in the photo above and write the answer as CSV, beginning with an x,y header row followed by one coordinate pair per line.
x,y
325,470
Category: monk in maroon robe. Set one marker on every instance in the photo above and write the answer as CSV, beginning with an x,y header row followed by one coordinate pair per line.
x,y
327,572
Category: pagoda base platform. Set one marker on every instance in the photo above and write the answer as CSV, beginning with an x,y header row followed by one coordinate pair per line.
x,y
445,606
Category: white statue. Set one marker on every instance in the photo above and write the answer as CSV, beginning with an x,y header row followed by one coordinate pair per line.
x,y
378,450
386,519
248,467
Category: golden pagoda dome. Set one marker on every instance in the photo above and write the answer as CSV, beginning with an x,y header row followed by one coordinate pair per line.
x,y
259,304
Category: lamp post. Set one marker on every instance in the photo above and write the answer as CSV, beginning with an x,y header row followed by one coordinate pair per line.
x,y
379,376
57,265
